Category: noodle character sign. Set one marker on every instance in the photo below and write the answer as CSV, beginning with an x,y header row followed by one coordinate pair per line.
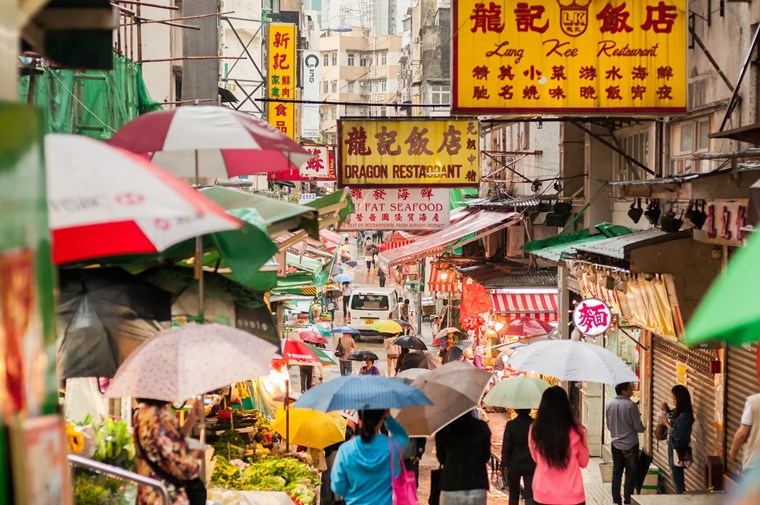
x,y
592,317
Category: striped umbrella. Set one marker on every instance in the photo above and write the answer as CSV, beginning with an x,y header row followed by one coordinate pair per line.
x,y
104,201
210,141
526,326
361,392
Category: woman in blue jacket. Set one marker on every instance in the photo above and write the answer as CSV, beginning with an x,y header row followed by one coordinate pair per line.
x,y
362,469
679,437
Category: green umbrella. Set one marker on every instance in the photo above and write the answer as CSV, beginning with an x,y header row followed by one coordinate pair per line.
x,y
517,393
729,311
324,358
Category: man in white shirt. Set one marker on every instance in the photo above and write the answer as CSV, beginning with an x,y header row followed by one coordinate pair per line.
x,y
748,435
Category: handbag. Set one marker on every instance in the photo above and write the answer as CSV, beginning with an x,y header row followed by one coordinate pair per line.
x,y
683,458
195,489
661,432
435,487
339,351
404,485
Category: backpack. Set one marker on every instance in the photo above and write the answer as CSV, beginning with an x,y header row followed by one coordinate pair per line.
x,y
339,351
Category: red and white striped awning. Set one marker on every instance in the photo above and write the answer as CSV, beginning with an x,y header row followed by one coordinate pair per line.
x,y
387,246
442,280
540,305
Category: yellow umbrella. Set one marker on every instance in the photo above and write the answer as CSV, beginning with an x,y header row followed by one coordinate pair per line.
x,y
387,326
311,428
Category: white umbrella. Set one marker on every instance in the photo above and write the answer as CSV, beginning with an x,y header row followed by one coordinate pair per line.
x,y
182,363
572,361
105,201
455,388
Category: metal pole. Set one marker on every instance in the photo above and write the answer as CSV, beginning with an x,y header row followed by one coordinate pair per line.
x,y
120,473
199,252
420,287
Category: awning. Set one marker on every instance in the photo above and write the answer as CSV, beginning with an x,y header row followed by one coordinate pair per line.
x,y
509,275
394,244
442,280
749,134
555,249
539,304
621,247
479,223
455,216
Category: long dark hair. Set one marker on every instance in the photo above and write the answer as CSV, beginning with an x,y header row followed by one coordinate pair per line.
x,y
152,402
370,419
551,429
683,400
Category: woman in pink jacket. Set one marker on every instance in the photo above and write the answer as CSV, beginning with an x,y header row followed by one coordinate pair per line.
x,y
558,446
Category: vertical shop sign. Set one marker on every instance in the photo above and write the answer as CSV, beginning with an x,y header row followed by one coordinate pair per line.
x,y
281,76
554,56
310,111
317,167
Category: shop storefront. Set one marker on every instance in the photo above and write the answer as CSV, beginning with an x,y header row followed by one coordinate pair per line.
x,y
741,382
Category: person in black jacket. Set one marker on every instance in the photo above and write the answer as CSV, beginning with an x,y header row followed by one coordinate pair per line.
x,y
464,448
516,461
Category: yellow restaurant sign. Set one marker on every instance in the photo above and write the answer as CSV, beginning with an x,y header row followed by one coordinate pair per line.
x,y
281,82
569,56
408,152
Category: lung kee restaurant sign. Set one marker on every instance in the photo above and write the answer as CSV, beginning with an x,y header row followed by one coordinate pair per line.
x,y
408,153
555,56
398,209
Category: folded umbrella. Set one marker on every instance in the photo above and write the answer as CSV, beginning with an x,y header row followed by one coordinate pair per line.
x,y
410,342
361,392
572,361
454,389
310,428
517,393
182,363
362,356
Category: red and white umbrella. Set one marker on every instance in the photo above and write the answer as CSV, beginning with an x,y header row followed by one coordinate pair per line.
x,y
104,201
526,326
312,337
210,141
295,352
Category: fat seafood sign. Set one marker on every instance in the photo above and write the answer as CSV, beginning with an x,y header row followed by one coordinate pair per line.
x,y
408,153
399,209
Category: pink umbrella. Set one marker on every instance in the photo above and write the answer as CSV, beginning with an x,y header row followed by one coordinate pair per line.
x,y
526,326
312,337
210,141
104,201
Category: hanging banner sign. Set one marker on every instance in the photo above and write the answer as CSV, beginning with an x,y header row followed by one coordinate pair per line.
x,y
592,317
310,112
281,81
318,167
398,209
569,56
408,153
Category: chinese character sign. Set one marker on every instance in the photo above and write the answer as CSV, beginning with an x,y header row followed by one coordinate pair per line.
x,y
408,152
549,56
398,209
592,317
318,167
281,76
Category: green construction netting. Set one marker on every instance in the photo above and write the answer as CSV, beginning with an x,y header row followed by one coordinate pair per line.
x,y
94,103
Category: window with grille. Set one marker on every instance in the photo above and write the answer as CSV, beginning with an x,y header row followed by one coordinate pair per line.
x,y
350,59
635,145
326,60
440,95
687,139
362,60
334,86
334,58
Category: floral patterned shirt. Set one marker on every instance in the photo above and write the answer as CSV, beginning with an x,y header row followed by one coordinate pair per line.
x,y
157,431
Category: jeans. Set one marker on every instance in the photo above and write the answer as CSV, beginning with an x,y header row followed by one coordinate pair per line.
x,y
465,497
307,374
513,484
619,463
345,306
676,471
345,367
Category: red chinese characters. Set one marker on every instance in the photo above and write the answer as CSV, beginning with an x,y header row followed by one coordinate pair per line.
x,y
592,316
487,19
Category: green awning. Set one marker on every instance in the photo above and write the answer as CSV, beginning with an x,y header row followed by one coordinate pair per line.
x,y
457,196
279,217
305,263
555,249
334,208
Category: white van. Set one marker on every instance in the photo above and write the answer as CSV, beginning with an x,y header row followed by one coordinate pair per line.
x,y
369,304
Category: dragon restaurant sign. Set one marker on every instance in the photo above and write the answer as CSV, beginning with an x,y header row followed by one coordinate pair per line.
x,y
592,317
408,153
569,56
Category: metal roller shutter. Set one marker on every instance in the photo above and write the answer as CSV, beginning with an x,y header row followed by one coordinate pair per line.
x,y
741,382
700,381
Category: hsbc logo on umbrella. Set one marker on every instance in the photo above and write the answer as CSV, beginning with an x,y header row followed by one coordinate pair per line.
x,y
162,224
130,198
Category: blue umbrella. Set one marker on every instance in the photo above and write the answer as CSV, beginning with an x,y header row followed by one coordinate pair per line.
x,y
351,263
345,329
361,392
343,278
